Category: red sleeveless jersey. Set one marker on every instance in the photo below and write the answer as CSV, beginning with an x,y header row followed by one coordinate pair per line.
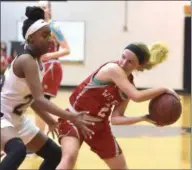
x,y
99,100
53,46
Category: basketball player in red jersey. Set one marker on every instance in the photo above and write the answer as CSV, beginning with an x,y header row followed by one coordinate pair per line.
x,y
53,69
106,93
5,59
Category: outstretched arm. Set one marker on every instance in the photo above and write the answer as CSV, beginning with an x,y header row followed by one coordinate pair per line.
x,y
44,115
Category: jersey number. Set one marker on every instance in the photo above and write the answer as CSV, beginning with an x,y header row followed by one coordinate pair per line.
x,y
18,110
103,111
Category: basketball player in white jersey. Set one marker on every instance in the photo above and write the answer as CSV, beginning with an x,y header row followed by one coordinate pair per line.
x,y
21,88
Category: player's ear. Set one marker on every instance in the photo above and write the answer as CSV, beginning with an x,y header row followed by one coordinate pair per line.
x,y
30,40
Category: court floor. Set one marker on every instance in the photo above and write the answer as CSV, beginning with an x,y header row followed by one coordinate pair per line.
x,y
144,145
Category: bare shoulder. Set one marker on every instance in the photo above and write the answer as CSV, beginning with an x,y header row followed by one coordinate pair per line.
x,y
111,72
23,64
26,60
27,65
26,57
114,69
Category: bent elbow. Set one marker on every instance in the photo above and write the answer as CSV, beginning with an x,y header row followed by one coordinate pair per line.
x,y
136,97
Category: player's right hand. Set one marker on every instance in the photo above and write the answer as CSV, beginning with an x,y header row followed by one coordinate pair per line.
x,y
170,91
82,120
147,119
53,130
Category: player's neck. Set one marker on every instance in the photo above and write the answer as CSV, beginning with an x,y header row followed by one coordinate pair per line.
x,y
33,51
127,71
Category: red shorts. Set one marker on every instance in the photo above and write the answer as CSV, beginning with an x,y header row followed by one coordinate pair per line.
x,y
103,143
52,77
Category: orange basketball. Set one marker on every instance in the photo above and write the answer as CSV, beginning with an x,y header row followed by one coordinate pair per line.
x,y
165,109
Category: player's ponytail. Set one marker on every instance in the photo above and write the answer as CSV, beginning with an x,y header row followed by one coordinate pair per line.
x,y
158,54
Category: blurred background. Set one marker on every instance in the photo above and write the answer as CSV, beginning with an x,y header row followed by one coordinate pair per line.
x,y
97,31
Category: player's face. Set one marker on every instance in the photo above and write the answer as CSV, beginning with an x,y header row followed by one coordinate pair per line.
x,y
41,39
129,61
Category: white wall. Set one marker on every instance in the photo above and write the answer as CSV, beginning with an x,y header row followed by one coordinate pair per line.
x,y
148,21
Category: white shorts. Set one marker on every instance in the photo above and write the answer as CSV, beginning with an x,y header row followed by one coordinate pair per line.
x,y
25,128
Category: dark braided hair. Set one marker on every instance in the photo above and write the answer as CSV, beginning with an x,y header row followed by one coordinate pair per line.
x,y
33,14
